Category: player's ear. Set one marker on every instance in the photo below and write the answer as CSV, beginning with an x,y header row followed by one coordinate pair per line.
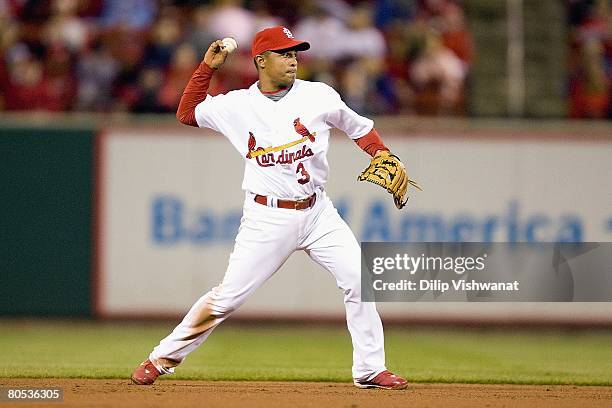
x,y
260,61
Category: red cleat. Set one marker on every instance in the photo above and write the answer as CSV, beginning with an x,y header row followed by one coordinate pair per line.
x,y
145,373
385,380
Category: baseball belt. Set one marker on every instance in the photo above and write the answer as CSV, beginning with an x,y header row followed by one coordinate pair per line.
x,y
288,204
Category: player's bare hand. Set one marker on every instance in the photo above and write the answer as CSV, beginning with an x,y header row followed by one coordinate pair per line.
x,y
215,55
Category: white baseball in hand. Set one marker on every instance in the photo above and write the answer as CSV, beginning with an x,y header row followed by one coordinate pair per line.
x,y
229,44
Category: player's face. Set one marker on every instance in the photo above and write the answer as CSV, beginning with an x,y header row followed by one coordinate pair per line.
x,y
281,67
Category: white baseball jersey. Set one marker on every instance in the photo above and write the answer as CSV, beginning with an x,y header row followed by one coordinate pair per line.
x,y
285,142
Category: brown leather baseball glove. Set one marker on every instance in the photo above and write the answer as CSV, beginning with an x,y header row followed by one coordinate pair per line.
x,y
387,171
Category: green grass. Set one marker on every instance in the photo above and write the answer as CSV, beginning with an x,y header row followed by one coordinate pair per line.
x,y
92,350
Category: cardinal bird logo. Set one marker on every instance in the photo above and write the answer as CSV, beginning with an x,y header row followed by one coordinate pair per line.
x,y
252,141
302,130
251,146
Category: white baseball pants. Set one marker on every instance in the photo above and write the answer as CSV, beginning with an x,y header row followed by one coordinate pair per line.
x,y
266,238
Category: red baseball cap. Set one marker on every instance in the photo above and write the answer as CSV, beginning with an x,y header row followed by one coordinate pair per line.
x,y
274,39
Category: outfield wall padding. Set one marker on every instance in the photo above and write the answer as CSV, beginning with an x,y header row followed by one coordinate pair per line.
x,y
45,223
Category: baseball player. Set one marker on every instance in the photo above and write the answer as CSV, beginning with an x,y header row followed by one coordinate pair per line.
x,y
281,127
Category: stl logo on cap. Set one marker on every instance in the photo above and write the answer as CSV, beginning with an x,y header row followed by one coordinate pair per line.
x,y
288,33
275,38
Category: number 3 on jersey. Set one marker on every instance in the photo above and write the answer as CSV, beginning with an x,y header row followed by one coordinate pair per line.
x,y
305,176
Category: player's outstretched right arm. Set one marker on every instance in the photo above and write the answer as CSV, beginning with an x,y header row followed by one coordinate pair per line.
x,y
197,87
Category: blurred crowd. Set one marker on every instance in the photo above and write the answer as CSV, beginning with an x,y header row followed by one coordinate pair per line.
x,y
386,56
590,59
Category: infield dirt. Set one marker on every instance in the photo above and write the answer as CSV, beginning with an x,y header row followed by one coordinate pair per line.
x,y
228,394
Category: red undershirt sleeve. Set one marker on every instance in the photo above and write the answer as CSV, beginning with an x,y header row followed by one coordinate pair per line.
x,y
194,93
371,142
